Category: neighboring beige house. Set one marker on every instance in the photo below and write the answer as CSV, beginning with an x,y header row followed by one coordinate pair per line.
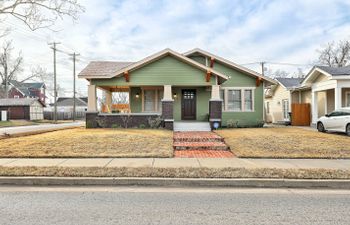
x,y
325,88
278,99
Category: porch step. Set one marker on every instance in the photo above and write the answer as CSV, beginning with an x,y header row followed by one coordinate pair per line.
x,y
207,145
197,136
191,126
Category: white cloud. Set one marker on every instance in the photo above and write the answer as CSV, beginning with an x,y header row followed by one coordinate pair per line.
x,y
242,31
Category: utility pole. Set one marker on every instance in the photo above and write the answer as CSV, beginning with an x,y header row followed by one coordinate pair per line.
x,y
74,55
54,79
262,68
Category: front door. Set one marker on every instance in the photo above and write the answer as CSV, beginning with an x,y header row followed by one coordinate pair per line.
x,y
188,104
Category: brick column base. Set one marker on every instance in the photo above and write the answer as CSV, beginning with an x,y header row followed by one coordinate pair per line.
x,y
215,112
168,114
91,119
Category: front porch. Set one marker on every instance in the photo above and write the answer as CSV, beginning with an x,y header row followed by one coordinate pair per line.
x,y
153,106
329,97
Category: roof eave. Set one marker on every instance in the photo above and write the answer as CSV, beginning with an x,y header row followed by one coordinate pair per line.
x,y
229,63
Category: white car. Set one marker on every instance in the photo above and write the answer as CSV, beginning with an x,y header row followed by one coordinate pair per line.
x,y
338,120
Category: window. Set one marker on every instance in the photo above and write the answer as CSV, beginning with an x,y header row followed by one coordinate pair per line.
x,y
152,100
237,99
285,109
16,96
222,97
347,98
149,102
268,107
234,100
248,100
160,97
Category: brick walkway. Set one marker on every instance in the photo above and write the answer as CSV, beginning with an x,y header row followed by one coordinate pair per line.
x,y
200,144
202,154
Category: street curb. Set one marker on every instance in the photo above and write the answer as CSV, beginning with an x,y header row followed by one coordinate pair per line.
x,y
177,182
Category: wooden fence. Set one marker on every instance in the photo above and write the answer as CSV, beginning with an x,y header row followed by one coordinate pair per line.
x,y
301,115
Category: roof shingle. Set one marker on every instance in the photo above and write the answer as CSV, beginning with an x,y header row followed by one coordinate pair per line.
x,y
103,68
336,71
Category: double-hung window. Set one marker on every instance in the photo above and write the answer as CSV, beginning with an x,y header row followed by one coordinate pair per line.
x,y
237,99
152,100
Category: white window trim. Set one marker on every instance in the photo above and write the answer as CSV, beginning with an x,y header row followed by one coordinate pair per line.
x,y
288,109
157,90
242,89
347,99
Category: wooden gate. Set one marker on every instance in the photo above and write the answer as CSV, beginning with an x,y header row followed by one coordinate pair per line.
x,y
301,114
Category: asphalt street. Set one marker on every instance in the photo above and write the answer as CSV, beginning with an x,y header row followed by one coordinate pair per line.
x,y
147,205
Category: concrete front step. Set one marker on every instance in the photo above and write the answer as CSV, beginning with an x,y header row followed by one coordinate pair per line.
x,y
203,145
191,126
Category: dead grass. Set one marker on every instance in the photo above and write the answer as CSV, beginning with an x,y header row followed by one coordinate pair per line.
x,y
81,142
176,172
286,142
15,123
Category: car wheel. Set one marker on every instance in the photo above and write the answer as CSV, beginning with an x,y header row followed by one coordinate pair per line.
x,y
348,129
320,127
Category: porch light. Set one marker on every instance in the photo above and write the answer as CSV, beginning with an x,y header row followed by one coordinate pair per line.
x,y
137,95
175,95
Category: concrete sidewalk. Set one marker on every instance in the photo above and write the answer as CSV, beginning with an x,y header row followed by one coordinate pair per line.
x,y
178,163
41,128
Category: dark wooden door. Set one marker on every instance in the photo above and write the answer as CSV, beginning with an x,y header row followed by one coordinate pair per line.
x,y
188,104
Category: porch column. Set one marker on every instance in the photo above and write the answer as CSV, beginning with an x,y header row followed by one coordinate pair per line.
x,y
215,107
314,107
337,98
91,115
92,98
108,102
168,108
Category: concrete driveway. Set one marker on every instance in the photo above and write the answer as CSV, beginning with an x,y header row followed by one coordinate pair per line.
x,y
34,129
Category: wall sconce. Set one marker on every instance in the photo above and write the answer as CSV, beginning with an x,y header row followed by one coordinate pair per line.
x,y
175,95
137,95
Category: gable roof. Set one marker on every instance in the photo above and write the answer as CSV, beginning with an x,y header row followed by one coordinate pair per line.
x,y
103,68
25,88
229,63
336,71
145,61
18,101
65,101
331,72
290,82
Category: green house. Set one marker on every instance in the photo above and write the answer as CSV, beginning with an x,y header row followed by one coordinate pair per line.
x,y
169,89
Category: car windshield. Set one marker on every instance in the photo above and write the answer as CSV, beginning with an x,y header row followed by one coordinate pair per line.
x,y
339,113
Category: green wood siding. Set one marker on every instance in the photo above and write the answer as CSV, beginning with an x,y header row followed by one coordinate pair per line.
x,y
239,79
248,118
203,97
165,71
135,103
199,59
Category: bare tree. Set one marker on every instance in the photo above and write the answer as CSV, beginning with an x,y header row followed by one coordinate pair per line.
x,y
278,73
335,54
120,97
40,13
9,68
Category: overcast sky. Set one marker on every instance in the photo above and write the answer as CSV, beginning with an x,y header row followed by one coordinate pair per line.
x,y
244,31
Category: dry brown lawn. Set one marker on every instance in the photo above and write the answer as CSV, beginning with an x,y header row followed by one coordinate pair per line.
x,y
81,142
286,142
183,172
